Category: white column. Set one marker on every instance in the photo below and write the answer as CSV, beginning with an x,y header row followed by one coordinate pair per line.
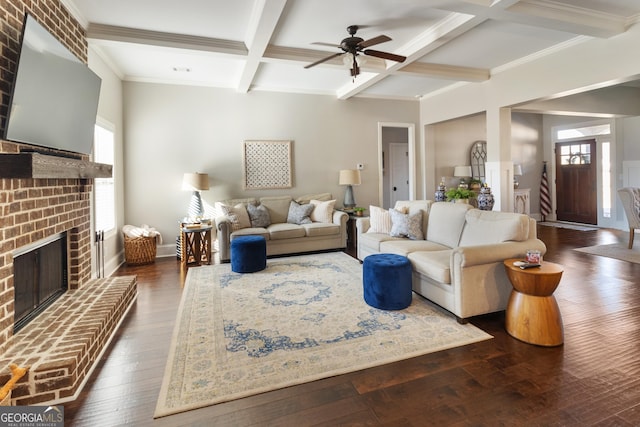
x,y
499,167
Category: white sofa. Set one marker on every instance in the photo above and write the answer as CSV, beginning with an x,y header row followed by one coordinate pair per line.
x,y
459,264
283,237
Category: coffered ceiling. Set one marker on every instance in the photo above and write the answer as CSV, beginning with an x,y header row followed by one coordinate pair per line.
x,y
249,45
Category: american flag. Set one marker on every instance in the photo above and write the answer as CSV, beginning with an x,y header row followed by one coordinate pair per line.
x,y
545,201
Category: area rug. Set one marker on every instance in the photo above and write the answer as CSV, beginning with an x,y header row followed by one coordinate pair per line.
x,y
300,320
568,225
615,250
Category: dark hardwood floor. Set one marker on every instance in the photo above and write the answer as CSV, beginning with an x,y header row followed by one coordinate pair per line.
x,y
592,380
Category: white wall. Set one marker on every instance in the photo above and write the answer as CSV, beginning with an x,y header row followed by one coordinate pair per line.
x,y
110,109
527,150
171,130
452,142
630,131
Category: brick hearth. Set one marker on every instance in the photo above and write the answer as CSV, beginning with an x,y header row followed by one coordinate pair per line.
x,y
63,343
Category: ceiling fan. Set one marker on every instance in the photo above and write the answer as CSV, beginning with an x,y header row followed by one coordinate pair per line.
x,y
354,46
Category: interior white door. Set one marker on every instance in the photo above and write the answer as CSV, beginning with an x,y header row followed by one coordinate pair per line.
x,y
398,172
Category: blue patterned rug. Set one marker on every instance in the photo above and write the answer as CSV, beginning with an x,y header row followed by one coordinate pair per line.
x,y
300,320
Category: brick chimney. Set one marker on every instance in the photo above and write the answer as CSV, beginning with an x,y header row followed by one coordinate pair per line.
x,y
33,209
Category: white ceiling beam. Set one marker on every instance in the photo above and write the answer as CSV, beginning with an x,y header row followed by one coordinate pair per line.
x,y
308,56
548,14
99,33
373,64
262,24
448,72
560,17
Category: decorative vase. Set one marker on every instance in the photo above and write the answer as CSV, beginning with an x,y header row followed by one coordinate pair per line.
x,y
485,199
440,192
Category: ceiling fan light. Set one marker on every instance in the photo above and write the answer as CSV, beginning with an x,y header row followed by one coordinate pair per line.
x,y
347,60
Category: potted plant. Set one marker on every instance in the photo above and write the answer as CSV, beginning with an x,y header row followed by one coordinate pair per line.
x,y
459,195
358,211
475,185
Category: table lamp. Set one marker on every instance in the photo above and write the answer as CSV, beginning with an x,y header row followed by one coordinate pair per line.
x,y
349,177
462,172
517,171
195,182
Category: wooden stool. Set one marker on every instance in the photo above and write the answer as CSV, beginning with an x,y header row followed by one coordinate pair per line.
x,y
533,315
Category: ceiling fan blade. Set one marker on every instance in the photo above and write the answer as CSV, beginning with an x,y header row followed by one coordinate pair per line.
x,y
385,55
375,40
320,61
327,44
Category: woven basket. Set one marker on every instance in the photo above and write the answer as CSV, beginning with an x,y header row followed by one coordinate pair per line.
x,y
139,250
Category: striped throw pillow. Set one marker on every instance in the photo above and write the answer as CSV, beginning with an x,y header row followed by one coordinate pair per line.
x,y
379,220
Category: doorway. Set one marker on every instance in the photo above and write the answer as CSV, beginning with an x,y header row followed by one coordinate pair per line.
x,y
396,163
576,181
398,172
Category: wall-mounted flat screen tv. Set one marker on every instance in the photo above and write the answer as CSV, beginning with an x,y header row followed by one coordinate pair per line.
x,y
54,99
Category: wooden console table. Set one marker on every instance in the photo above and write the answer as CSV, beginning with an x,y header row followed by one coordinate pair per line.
x,y
533,315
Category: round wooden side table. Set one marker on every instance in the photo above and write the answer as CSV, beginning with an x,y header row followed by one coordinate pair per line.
x,y
532,314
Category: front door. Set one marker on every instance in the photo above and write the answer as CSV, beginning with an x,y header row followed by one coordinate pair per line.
x,y
576,182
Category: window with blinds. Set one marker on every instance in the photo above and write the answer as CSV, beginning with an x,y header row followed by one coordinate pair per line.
x,y
104,188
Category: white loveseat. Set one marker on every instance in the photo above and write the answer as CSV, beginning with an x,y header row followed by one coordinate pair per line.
x,y
324,232
459,263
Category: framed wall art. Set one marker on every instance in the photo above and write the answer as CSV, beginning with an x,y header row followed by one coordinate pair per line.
x,y
267,164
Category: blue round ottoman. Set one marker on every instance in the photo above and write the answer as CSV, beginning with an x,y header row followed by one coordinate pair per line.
x,y
386,279
248,254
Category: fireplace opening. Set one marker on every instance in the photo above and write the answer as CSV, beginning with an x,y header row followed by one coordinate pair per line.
x,y
40,276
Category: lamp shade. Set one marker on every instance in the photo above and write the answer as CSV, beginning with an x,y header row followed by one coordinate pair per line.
x,y
517,170
349,177
195,181
462,171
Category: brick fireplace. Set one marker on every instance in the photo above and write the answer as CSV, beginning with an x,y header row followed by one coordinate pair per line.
x,y
64,344
31,210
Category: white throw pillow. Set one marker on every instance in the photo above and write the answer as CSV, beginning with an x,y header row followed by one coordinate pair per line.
x,y
379,220
237,215
322,211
